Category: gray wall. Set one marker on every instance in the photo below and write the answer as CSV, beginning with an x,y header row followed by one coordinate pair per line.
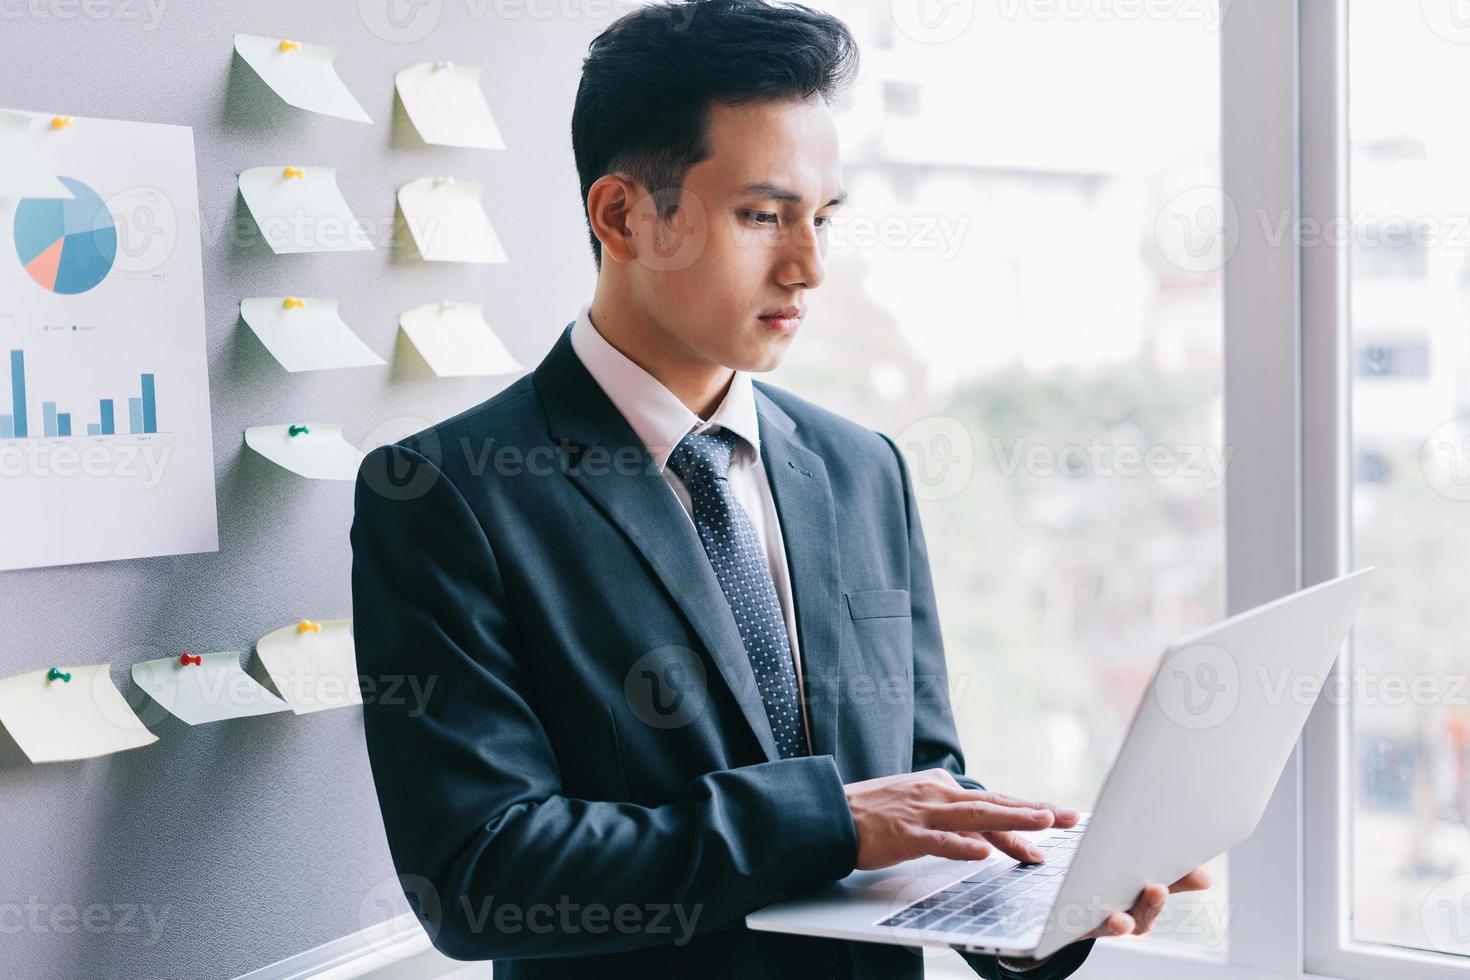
x,y
258,838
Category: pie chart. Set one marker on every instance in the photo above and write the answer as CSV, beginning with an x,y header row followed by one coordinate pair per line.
x,y
66,246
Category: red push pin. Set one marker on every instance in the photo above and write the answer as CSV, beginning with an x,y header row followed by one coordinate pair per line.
x,y
185,659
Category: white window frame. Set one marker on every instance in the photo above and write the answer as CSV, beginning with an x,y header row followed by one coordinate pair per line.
x,y
1284,146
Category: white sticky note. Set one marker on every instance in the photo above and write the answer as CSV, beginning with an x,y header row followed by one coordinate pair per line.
x,y
55,720
301,209
447,221
456,341
301,74
214,689
317,451
446,105
314,669
306,333
24,171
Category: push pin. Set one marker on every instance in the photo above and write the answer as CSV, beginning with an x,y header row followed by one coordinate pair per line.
x,y
297,430
443,65
307,626
443,181
448,305
55,674
62,122
293,172
292,303
290,46
186,658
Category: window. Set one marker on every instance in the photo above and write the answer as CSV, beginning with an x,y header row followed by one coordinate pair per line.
x,y
1410,709
1030,305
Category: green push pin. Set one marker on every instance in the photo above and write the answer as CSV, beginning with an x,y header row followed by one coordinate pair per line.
x,y
56,674
297,430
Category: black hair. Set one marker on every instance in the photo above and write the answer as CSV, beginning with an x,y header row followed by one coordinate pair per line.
x,y
648,82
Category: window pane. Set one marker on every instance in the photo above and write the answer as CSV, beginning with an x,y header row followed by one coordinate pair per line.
x,y
1410,850
1024,292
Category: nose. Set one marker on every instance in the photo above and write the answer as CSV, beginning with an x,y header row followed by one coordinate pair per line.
x,y
805,264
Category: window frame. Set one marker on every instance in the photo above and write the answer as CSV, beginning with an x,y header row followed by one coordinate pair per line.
x,y
1288,356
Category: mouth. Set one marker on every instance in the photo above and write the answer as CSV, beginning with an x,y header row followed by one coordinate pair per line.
x,y
784,320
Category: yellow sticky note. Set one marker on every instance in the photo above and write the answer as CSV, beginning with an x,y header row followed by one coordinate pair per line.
x,y
314,669
214,689
305,213
455,340
446,105
56,720
301,74
316,451
306,334
447,221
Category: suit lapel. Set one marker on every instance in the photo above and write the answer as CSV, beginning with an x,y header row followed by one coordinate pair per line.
x,y
639,501
808,517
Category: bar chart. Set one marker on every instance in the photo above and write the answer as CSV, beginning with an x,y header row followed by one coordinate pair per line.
x,y
142,410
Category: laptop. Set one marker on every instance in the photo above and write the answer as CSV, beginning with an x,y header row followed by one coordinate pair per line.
x,y
1203,754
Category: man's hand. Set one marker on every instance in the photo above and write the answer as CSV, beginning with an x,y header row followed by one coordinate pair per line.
x,y
914,814
1138,920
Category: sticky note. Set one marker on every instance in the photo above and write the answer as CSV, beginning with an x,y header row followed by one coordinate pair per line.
x,y
317,451
301,74
446,105
214,689
55,720
305,333
24,171
300,209
314,669
447,221
456,341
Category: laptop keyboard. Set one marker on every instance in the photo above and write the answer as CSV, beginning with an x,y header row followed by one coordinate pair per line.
x,y
1011,903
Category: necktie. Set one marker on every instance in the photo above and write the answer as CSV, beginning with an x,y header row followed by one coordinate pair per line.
x,y
702,461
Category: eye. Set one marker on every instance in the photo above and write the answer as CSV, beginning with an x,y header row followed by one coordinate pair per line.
x,y
759,216
823,220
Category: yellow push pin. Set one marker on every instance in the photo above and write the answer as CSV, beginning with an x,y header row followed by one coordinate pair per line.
x,y
290,172
307,626
290,46
62,122
292,303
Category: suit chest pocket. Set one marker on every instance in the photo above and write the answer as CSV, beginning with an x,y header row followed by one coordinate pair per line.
x,y
878,604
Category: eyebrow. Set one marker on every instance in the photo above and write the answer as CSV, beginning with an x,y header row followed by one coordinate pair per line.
x,y
775,192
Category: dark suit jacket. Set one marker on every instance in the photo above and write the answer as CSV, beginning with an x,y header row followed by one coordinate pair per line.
x,y
590,787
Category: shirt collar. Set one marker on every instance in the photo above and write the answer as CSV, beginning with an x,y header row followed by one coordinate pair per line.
x,y
655,413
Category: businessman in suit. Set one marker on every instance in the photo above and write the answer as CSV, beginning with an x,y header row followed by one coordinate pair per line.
x,y
677,625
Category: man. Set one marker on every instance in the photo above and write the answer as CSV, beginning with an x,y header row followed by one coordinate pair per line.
x,y
680,624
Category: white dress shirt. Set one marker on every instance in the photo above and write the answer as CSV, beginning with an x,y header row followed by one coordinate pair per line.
x,y
661,420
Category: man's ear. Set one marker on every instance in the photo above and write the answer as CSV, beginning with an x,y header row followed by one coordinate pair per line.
x,y
610,210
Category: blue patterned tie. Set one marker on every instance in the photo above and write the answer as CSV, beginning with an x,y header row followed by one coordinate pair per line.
x,y
702,461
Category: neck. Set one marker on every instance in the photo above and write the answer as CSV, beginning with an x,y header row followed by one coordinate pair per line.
x,y
697,382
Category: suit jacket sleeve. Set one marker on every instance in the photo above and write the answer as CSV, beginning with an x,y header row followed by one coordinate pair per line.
x,y
467,780
936,743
